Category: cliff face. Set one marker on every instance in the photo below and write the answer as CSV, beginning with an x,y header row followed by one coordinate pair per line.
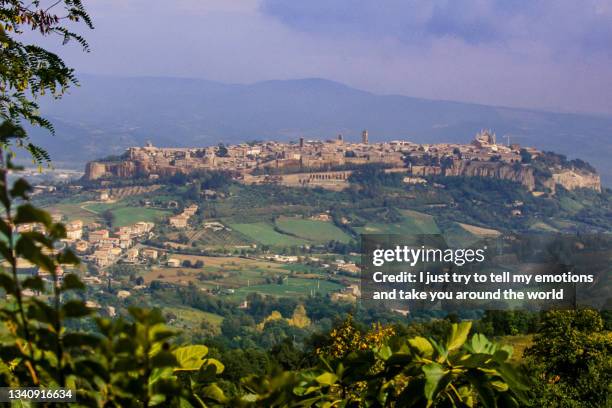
x,y
94,171
98,170
570,179
125,169
573,179
519,174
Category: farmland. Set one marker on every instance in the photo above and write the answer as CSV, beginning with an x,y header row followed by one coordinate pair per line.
x,y
74,211
412,222
230,272
291,287
312,230
215,239
265,234
243,276
187,317
126,215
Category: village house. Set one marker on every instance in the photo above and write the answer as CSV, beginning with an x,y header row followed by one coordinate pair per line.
x,y
74,230
97,236
174,263
178,221
131,255
150,253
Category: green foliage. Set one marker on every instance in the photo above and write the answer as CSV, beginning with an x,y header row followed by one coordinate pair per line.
x,y
414,372
371,178
125,362
571,360
135,361
28,71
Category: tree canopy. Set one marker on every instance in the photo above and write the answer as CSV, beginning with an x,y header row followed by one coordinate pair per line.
x,y
29,71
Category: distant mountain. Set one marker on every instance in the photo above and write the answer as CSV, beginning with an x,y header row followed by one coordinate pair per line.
x,y
107,114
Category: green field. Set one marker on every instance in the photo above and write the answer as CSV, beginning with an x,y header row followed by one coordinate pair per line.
x,y
130,215
125,215
187,317
413,222
224,238
292,287
312,230
74,212
264,233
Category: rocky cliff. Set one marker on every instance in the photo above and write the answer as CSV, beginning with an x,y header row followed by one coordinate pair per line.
x,y
518,173
572,179
125,169
99,170
526,175
521,173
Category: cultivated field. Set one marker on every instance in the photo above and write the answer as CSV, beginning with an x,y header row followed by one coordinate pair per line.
x,y
264,233
125,215
245,276
73,211
291,287
230,272
413,222
312,230
187,317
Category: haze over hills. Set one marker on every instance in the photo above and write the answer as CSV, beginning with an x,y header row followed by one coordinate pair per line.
x,y
108,114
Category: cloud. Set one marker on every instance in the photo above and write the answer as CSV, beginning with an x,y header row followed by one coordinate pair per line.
x,y
532,53
559,25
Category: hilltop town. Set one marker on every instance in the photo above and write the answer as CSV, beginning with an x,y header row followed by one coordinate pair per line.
x,y
231,220
328,164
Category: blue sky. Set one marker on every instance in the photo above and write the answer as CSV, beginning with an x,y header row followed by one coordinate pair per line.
x,y
534,53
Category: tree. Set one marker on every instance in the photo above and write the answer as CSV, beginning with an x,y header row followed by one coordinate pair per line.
x,y
222,150
109,217
571,359
525,156
28,71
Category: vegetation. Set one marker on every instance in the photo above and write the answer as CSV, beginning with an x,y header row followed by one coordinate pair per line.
x,y
571,360
279,348
28,71
137,360
119,215
312,230
133,362
265,233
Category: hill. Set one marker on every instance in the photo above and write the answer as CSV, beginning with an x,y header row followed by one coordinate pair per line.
x,y
126,112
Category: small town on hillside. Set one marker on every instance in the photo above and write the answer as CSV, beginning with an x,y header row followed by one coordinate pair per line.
x,y
327,164
302,164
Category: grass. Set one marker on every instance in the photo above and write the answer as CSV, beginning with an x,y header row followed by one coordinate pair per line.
x,y
219,239
236,271
130,215
73,211
244,276
570,205
479,231
312,230
264,233
413,222
293,287
126,215
187,317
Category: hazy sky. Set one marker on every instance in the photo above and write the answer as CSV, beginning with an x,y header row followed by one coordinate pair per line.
x,y
552,54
